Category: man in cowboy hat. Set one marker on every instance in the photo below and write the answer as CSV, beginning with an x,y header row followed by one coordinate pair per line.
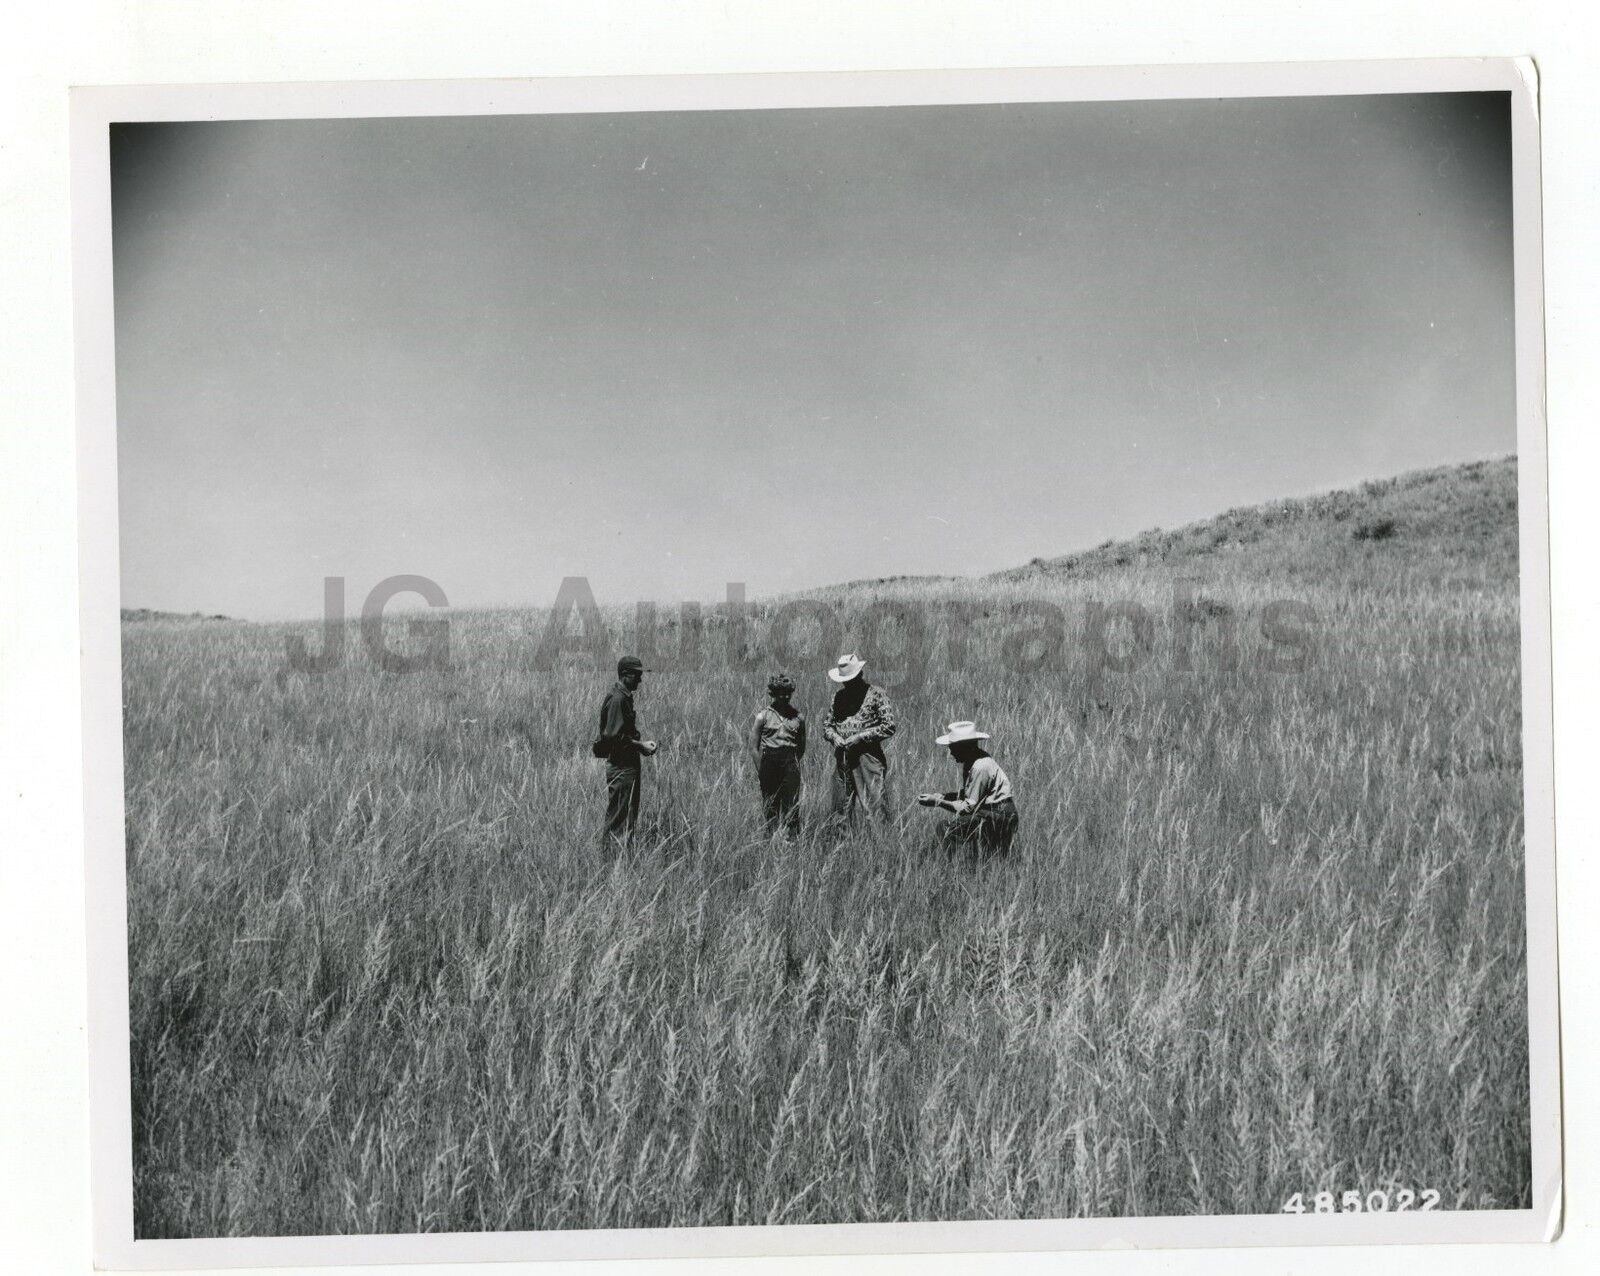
x,y
986,814
619,744
859,721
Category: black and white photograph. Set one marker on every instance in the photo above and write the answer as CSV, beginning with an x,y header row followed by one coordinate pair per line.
x,y
757,660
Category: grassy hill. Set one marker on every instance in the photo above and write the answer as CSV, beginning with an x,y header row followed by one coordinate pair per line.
x,y
1454,516
1262,935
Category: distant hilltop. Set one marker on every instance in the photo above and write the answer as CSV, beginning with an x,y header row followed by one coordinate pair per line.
x,y
1452,517
1453,513
133,614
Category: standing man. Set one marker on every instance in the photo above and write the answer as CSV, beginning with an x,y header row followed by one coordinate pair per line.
x,y
619,744
859,721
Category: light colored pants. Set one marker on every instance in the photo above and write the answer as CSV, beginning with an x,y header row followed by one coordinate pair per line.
x,y
860,784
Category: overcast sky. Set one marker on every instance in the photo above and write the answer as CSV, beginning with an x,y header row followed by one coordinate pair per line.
x,y
785,348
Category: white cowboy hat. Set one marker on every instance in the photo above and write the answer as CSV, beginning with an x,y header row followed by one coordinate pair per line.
x,y
959,731
847,668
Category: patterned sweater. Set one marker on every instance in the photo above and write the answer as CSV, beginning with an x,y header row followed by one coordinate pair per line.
x,y
869,725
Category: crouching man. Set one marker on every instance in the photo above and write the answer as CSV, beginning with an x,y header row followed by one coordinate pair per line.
x,y
985,813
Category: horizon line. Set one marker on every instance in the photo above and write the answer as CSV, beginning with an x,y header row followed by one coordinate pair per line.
x,y
160,613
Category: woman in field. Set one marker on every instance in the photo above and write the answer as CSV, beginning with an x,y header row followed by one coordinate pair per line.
x,y
986,814
780,744
859,721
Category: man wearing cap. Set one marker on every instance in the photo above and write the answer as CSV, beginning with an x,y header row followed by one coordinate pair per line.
x,y
859,721
986,814
619,744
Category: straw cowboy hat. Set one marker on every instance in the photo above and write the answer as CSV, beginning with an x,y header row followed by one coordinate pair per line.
x,y
847,668
956,732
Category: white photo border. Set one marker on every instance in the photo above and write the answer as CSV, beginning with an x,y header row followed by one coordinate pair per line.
x,y
93,109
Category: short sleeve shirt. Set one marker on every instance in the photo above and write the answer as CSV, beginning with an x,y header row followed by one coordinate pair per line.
x,y
780,732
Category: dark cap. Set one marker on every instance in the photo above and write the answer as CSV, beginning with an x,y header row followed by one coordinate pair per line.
x,y
630,664
780,682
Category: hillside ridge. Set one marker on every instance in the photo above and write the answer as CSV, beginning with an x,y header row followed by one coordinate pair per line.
x,y
1465,507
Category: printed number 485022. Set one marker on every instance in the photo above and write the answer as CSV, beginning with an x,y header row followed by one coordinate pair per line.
x,y
1353,1202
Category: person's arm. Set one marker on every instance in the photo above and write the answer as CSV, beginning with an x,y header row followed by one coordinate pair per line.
x,y
613,727
887,725
755,737
610,718
641,746
980,781
830,731
800,736
941,801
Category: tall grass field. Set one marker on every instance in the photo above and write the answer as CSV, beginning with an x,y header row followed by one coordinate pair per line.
x,y
1262,934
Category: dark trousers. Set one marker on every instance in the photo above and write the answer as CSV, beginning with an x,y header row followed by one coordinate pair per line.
x,y
623,783
779,772
988,831
860,784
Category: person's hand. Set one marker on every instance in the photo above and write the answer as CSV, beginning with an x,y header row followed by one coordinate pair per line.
x,y
928,799
647,747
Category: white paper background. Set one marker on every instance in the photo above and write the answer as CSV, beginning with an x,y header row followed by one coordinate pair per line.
x,y
46,46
